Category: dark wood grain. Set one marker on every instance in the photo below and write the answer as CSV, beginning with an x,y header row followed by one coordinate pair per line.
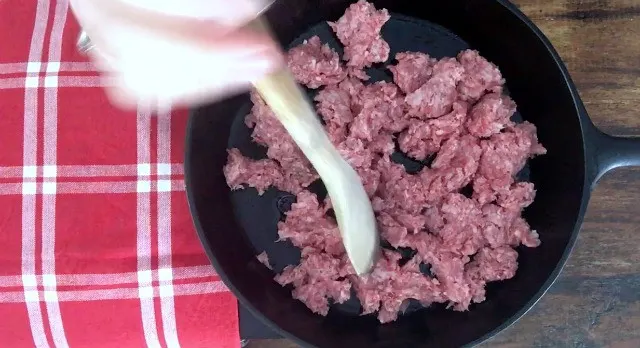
x,y
596,301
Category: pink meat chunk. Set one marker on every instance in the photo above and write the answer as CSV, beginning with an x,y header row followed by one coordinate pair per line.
x,y
357,73
314,64
418,141
423,138
260,174
447,266
383,144
503,156
359,31
480,76
506,227
370,180
436,96
404,190
264,259
389,285
318,278
269,132
354,87
490,265
412,71
451,110
462,224
486,190
380,108
334,106
453,168
364,53
391,230
360,157
297,166
519,196
414,223
497,226
496,264
353,150
490,115
528,237
307,225
396,224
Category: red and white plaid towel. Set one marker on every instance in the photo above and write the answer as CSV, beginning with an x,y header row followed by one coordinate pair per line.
x,y
97,245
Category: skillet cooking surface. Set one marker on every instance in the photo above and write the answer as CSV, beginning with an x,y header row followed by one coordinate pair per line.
x,y
259,215
539,84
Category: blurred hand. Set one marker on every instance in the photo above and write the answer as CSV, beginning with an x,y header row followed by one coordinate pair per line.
x,y
182,52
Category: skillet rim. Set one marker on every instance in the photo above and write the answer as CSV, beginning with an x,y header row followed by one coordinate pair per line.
x,y
585,126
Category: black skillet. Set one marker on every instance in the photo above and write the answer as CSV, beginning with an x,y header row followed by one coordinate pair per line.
x,y
234,227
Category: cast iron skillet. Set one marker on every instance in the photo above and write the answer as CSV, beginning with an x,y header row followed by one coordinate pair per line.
x,y
234,227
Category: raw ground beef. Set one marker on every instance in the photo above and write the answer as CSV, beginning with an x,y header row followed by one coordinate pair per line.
x,y
436,96
315,64
359,31
412,70
450,111
264,259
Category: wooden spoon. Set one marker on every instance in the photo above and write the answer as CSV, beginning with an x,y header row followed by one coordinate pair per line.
x,y
351,204
354,214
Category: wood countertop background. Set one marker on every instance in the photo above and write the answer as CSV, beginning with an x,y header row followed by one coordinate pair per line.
x,y
596,300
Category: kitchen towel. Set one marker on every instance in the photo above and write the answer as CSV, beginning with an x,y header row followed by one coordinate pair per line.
x,y
97,244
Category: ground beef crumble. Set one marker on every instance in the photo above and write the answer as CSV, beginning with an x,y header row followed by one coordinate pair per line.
x,y
314,64
450,110
359,31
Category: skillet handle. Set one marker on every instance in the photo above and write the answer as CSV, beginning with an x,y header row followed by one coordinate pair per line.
x,y
608,153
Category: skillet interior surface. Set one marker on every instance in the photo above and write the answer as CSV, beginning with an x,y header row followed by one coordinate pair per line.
x,y
236,226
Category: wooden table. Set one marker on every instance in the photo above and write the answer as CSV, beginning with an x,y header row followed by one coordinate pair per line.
x,y
596,301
